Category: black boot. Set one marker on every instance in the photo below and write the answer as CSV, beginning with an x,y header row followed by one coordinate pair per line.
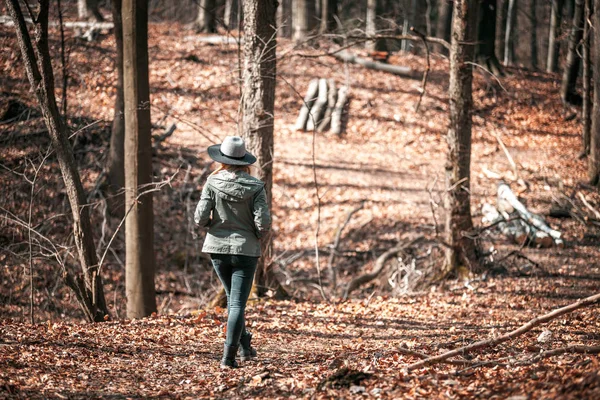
x,y
228,360
246,350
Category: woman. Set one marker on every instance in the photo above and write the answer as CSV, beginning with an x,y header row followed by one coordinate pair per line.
x,y
234,207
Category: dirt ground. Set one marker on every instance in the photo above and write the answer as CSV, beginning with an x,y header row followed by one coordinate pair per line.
x,y
390,157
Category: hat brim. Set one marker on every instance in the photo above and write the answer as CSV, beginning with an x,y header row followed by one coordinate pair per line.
x,y
214,152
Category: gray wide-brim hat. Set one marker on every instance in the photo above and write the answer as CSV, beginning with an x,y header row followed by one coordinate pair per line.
x,y
232,152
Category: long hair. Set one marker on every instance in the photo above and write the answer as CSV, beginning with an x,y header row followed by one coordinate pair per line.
x,y
232,168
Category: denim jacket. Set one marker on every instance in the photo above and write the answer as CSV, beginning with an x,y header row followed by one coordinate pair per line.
x,y
234,207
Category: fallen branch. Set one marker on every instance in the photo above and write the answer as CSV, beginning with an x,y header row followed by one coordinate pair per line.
x,y
378,66
309,99
331,101
414,353
379,266
336,116
318,109
577,348
588,205
508,336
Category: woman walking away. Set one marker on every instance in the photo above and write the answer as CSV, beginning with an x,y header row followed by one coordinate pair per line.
x,y
234,207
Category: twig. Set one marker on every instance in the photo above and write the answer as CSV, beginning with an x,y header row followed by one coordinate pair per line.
x,y
577,348
413,353
508,336
426,74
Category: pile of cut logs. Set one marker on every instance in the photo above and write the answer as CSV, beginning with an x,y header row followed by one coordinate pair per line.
x,y
323,107
515,221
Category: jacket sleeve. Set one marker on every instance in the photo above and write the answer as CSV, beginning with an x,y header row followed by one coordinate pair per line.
x,y
204,207
262,215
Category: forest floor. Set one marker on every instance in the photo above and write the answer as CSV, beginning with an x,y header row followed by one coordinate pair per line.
x,y
390,158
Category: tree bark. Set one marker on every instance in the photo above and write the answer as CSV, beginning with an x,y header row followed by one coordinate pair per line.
x,y
486,36
38,65
116,156
139,221
553,44
206,19
461,249
328,12
533,34
594,158
444,23
509,48
373,26
258,101
587,81
88,9
304,19
568,89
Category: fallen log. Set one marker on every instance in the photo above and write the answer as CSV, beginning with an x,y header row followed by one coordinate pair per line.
x,y
378,66
309,100
336,116
588,301
379,266
331,100
318,109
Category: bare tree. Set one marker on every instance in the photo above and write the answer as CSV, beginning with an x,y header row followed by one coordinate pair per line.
x,y
116,155
373,25
284,18
568,90
587,81
509,47
486,35
461,249
258,101
328,14
206,19
553,44
533,45
304,18
594,158
444,22
139,219
38,65
88,9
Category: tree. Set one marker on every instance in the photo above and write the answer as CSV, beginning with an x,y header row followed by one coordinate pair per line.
x,y
373,25
258,101
304,18
553,44
38,65
444,22
230,16
206,19
328,13
461,248
88,9
116,156
139,220
568,90
509,47
587,81
486,37
533,45
594,158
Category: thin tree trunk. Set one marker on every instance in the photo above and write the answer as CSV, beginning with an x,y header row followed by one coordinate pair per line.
x,y
587,81
373,26
88,9
568,90
533,34
304,19
461,249
594,158
486,49
116,156
509,49
258,101
231,14
328,13
554,32
444,23
206,19
139,222
88,286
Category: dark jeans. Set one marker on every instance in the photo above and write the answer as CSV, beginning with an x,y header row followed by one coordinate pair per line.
x,y
236,273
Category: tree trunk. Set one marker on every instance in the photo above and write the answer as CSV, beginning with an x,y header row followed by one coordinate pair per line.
x,y
587,81
116,156
139,222
461,249
373,26
594,158
88,9
87,287
258,101
230,16
206,20
328,13
568,89
304,19
533,34
284,19
509,48
486,49
444,23
554,32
